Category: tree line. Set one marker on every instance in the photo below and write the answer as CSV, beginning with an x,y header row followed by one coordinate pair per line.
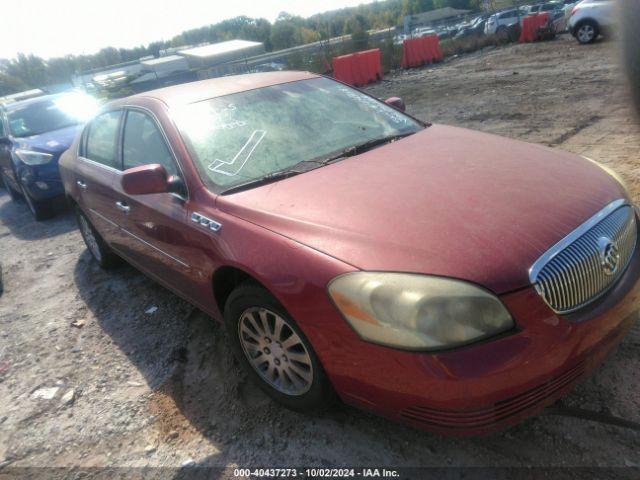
x,y
28,71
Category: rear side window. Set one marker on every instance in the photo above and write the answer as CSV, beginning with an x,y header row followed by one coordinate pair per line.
x,y
143,143
510,14
102,139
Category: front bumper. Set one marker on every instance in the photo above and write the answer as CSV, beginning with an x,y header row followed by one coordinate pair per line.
x,y
482,387
53,189
42,182
571,26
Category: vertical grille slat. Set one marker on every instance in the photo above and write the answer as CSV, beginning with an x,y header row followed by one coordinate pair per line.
x,y
571,274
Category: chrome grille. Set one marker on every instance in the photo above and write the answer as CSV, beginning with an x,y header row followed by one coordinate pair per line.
x,y
588,261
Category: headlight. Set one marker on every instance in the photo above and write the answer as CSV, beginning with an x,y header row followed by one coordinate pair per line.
x,y
610,171
417,312
33,158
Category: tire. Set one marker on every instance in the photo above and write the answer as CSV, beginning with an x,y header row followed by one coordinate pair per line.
x,y
513,32
99,250
15,196
246,311
502,33
586,32
41,210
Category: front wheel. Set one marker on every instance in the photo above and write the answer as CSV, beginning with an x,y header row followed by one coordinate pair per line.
x,y
99,250
274,351
587,31
12,193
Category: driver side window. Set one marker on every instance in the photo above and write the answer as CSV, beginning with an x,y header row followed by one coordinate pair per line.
x,y
143,144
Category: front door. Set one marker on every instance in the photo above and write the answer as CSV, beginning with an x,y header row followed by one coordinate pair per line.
x,y
153,225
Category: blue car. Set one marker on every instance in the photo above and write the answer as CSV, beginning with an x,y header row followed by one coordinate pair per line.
x,y
33,135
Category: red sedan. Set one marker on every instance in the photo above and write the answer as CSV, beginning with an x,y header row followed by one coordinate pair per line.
x,y
450,279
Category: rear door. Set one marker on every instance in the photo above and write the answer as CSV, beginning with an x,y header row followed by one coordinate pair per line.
x,y
98,167
154,225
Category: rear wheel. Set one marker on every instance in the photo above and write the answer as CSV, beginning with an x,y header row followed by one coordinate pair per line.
x,y
502,33
274,351
97,247
587,31
41,210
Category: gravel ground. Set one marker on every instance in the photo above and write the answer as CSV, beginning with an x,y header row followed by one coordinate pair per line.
x,y
89,379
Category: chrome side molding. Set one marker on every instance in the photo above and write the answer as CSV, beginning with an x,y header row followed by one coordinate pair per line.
x,y
205,222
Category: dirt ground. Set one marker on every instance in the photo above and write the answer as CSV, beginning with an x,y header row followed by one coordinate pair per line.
x,y
135,389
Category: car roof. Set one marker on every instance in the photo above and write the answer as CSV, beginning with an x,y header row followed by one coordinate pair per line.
x,y
216,87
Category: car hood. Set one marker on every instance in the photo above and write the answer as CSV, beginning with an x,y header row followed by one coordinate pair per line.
x,y
445,201
54,142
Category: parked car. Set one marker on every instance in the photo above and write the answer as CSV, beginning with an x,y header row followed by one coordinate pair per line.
x,y
590,18
400,38
33,135
444,32
423,31
501,21
474,28
567,8
561,16
553,8
442,277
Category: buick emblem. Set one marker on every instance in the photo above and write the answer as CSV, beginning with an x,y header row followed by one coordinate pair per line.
x,y
609,255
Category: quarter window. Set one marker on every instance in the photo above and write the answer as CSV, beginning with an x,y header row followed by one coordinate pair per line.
x,y
102,141
143,143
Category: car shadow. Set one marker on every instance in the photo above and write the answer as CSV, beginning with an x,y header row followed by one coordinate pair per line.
x,y
199,391
15,215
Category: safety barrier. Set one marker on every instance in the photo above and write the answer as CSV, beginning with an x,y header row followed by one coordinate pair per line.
x,y
359,68
531,25
418,51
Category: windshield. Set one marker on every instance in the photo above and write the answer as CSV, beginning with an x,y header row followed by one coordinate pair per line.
x,y
49,115
245,136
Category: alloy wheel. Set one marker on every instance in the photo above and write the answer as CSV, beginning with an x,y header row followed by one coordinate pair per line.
x,y
586,33
275,351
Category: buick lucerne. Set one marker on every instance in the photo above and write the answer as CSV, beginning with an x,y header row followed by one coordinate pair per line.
x,y
449,279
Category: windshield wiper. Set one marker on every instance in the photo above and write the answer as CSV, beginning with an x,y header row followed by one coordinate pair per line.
x,y
263,180
361,148
319,162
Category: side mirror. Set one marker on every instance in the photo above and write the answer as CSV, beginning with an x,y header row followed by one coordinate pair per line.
x,y
5,142
144,180
176,185
396,102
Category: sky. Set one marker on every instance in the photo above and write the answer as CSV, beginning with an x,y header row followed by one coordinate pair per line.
x,y
53,28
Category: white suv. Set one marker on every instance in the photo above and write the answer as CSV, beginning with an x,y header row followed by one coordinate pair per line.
x,y
590,18
501,21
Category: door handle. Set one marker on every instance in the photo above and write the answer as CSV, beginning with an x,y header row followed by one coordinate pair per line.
x,y
81,184
123,207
